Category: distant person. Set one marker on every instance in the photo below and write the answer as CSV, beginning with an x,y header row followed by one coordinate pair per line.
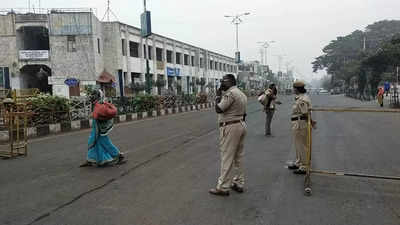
x,y
269,107
380,96
387,88
299,118
230,106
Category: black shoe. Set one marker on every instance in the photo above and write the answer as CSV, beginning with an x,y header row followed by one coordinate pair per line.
x,y
236,188
268,134
215,191
293,167
299,171
85,164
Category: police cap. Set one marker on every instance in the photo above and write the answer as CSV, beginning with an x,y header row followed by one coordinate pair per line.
x,y
298,84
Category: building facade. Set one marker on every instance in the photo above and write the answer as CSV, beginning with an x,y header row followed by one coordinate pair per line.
x,y
63,51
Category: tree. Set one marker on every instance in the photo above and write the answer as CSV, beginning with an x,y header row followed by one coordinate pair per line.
x,y
358,56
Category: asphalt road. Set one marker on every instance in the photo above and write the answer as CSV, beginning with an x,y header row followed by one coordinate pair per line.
x,y
174,160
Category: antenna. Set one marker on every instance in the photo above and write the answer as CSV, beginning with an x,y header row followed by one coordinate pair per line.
x,y
108,12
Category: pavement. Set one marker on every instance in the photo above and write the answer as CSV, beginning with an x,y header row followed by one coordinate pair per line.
x,y
174,160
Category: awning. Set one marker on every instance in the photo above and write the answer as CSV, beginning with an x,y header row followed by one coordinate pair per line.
x,y
106,77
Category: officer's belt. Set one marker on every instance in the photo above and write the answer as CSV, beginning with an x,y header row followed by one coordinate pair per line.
x,y
222,124
299,118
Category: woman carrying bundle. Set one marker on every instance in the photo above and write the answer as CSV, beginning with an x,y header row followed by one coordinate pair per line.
x,y
101,151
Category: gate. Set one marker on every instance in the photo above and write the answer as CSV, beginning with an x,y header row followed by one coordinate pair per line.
x,y
309,170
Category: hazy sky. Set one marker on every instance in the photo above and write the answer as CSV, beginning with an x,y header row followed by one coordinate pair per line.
x,y
301,28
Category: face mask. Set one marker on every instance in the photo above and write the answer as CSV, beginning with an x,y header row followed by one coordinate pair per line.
x,y
224,87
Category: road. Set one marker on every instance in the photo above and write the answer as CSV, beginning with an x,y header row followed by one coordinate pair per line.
x,y
174,160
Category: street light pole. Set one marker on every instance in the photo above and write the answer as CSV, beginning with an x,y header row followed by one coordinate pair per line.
x,y
265,45
145,56
236,21
397,75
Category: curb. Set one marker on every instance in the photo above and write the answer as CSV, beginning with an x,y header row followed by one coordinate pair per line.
x,y
51,129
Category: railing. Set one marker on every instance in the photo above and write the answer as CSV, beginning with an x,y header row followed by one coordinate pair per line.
x,y
394,99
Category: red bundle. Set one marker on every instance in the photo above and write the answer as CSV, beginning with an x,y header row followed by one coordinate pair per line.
x,y
105,111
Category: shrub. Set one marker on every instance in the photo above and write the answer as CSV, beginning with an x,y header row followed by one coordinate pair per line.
x,y
49,109
145,103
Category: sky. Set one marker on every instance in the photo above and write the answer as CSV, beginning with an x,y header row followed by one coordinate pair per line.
x,y
300,28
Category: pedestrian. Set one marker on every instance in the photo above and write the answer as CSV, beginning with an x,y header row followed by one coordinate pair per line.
x,y
299,118
380,96
101,151
231,109
387,88
269,106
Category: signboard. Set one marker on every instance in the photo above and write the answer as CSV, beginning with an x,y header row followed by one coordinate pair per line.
x,y
71,82
33,54
173,71
237,57
145,20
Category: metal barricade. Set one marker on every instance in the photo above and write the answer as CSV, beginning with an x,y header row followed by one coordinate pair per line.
x,y
16,120
309,170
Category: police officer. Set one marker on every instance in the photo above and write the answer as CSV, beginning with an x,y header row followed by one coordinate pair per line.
x,y
231,109
299,118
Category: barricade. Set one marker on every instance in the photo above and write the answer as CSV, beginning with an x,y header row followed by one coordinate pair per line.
x,y
16,120
309,170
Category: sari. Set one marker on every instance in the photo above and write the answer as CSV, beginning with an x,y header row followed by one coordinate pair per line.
x,y
101,150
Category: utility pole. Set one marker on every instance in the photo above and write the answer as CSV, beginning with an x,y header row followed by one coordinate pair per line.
x,y
146,50
236,21
364,44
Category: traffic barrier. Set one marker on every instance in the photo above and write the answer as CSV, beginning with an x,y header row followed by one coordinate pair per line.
x,y
309,170
16,120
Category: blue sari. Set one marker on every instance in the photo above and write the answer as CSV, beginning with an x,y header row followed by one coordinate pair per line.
x,y
101,150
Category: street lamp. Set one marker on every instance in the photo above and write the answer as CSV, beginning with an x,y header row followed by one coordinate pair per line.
x,y
265,45
236,20
280,58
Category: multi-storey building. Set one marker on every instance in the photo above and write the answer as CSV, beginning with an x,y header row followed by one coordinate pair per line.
x,y
62,51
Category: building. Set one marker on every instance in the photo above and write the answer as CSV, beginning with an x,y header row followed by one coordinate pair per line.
x,y
253,74
63,51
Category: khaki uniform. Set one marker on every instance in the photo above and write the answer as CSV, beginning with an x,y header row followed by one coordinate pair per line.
x,y
231,138
269,109
299,127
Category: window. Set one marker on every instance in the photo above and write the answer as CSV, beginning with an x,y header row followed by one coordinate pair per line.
x,y
201,63
71,44
192,60
1,76
159,54
211,64
216,66
186,59
98,45
169,56
123,44
178,58
144,52
134,49
4,77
